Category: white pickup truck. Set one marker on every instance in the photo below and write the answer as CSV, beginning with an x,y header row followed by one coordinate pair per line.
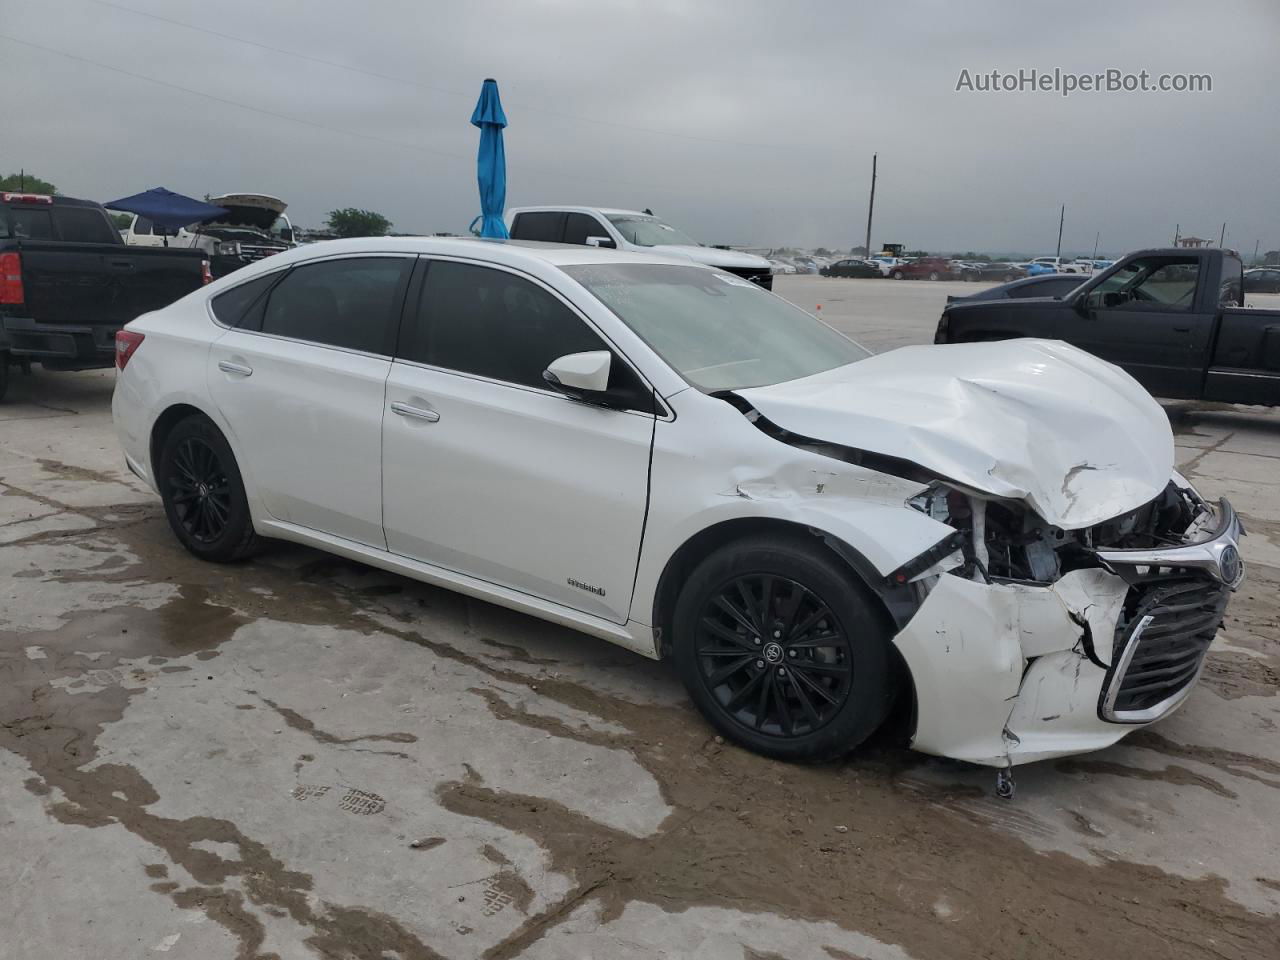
x,y
255,227
630,230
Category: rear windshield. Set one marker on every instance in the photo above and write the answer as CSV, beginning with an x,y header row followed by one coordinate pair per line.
x,y
24,222
66,223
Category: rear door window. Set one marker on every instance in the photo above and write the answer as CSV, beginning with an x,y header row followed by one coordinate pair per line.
x,y
352,303
539,225
83,225
241,306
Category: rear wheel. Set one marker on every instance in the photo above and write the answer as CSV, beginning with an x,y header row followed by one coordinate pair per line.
x,y
933,275
4,373
782,650
203,493
897,275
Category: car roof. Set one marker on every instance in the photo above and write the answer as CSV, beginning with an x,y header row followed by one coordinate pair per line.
x,y
512,253
574,208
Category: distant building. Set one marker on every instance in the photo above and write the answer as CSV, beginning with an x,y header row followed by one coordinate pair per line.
x,y
1193,242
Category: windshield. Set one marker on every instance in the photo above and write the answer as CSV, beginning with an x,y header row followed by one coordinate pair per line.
x,y
649,231
718,331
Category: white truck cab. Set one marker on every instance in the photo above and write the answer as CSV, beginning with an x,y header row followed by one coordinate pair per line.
x,y
630,230
255,226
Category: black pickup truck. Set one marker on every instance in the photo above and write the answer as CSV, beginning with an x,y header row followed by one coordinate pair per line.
x,y
68,282
1175,319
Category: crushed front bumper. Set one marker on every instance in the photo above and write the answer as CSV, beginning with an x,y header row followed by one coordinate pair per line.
x,y
1007,673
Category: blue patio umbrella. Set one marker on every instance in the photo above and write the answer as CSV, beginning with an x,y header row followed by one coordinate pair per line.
x,y
166,208
491,162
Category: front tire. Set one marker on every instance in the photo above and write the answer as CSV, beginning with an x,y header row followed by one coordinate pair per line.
x,y
782,650
933,275
203,493
897,275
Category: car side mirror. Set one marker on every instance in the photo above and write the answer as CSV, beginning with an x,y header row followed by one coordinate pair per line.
x,y
1112,299
607,242
582,376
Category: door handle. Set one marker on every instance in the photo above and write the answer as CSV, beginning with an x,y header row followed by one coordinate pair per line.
x,y
121,264
1181,329
227,366
417,413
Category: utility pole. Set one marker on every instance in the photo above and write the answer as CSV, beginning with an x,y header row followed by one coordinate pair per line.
x,y
1096,237
1256,244
22,180
1222,236
1062,218
871,204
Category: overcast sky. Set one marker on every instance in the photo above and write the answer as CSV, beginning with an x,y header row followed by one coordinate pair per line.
x,y
740,121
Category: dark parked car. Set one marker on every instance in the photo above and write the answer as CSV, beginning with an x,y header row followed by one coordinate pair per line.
x,y
977,270
851,268
926,268
1173,318
1046,285
1262,280
68,282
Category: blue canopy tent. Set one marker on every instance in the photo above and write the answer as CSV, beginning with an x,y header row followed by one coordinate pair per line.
x,y
167,209
491,162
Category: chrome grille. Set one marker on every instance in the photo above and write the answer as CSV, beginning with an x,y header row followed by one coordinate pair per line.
x,y
1160,646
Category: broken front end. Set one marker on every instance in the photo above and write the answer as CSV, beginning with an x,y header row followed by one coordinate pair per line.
x,y
1034,642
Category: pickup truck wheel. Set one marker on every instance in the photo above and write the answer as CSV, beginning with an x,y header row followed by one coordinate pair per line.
x,y
933,275
4,373
1009,278
897,275
782,651
203,493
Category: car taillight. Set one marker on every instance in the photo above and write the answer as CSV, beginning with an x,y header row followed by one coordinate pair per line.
x,y
11,278
26,198
127,343
206,274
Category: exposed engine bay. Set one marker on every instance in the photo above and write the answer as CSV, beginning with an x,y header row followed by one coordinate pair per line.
x,y
1006,541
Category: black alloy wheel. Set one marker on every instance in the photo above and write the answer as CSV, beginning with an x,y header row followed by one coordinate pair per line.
x,y
783,648
200,490
774,655
204,497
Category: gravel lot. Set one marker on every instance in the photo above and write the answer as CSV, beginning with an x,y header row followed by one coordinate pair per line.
x,y
303,757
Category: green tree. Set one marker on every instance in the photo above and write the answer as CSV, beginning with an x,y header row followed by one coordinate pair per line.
x,y
120,221
822,252
26,183
351,222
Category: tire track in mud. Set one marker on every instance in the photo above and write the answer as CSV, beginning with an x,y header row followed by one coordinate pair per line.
x,y
745,833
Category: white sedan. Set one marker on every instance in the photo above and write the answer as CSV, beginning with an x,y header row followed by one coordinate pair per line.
x,y
675,460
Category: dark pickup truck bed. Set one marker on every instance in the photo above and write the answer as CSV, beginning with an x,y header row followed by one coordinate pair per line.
x,y
68,282
1173,318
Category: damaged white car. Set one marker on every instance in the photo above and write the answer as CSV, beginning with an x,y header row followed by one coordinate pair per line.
x,y
668,457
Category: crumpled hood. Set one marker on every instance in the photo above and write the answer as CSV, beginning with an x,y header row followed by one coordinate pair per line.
x,y
1077,439
712,256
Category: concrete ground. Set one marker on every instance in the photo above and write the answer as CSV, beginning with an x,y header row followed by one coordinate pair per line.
x,y
302,757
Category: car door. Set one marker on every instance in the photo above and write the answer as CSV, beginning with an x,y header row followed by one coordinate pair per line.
x,y
1147,318
489,473
300,380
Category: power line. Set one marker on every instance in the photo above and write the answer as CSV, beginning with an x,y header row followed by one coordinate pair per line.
x,y
322,126
435,89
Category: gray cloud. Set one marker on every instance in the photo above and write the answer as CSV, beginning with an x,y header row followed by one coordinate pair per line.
x,y
747,122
